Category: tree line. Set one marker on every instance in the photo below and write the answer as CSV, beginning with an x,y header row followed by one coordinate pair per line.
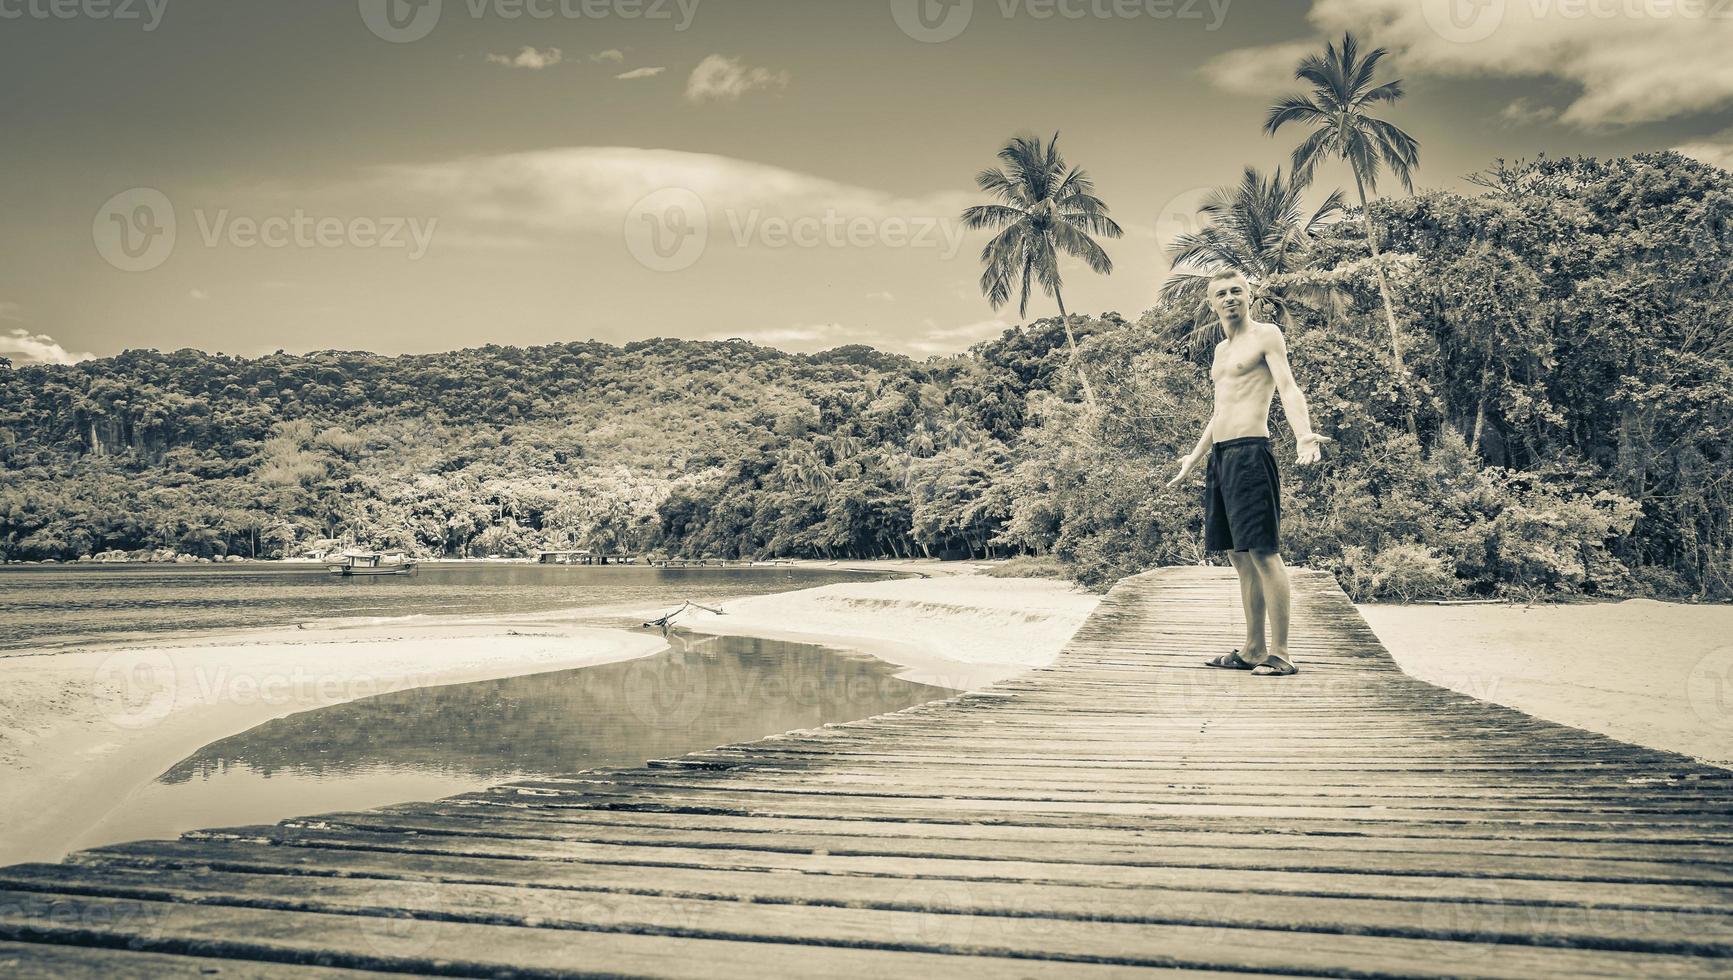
x,y
1528,385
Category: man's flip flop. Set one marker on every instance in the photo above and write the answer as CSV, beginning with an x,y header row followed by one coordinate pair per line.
x,y
1275,667
1229,661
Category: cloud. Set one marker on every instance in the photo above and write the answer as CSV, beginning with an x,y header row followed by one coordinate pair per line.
x,y
529,58
882,296
1716,150
199,295
1266,71
1633,61
805,338
640,73
595,189
719,78
612,56
953,339
11,311
24,347
1528,112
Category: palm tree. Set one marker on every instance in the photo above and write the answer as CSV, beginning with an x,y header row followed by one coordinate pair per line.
x,y
1258,228
1045,208
1337,109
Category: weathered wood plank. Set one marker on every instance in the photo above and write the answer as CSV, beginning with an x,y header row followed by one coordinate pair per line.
x,y
1125,808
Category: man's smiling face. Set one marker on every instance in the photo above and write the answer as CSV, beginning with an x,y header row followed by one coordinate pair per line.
x,y
1230,297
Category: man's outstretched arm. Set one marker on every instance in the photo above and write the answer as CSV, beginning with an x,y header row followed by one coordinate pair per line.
x,y
1293,399
1198,452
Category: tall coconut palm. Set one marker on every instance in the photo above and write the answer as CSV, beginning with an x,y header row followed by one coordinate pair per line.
x,y
1259,228
1338,110
1045,207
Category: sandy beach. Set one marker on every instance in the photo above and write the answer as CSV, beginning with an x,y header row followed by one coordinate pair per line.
x,y
1655,673
960,631
80,730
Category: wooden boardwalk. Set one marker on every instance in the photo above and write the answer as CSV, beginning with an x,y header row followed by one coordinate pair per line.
x,y
1121,810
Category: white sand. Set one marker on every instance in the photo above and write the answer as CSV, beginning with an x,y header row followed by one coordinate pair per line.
x,y
1654,673
79,731
961,631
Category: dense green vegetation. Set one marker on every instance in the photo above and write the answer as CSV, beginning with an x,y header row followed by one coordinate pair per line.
x,y
1568,334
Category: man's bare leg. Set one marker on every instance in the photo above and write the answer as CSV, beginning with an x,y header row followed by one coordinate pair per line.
x,y
1272,578
1252,599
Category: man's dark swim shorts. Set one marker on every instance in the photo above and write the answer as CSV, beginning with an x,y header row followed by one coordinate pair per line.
x,y
1242,497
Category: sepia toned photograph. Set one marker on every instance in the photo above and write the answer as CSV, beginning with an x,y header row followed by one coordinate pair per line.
x,y
984,489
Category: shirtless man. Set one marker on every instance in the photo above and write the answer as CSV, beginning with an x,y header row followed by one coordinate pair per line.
x,y
1242,487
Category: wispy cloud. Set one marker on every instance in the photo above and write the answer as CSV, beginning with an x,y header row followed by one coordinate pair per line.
x,y
724,79
882,296
595,188
1631,63
612,56
1716,150
530,58
1264,70
11,311
27,348
637,73
954,339
1528,112
802,338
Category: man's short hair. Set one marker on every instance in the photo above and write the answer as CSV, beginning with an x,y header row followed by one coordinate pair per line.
x,y
1226,274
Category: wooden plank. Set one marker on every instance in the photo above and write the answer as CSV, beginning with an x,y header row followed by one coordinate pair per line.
x,y
1124,809
40,961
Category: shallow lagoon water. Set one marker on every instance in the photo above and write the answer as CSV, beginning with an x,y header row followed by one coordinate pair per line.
x,y
434,742
50,606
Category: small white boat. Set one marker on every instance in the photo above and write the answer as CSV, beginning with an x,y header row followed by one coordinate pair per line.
x,y
370,563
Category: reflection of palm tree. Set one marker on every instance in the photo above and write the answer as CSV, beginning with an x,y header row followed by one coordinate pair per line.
x,y
1047,208
1342,94
1258,228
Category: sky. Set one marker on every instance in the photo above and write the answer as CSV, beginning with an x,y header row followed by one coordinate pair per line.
x,y
245,176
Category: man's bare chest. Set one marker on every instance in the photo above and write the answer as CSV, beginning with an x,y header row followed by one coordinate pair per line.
x,y
1238,360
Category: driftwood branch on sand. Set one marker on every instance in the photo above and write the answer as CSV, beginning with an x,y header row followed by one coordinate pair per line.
x,y
668,620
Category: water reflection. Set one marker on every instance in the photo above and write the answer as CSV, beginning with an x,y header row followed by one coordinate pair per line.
x,y
439,741
703,692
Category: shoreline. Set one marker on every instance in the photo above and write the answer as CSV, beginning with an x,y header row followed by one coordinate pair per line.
x,y
82,728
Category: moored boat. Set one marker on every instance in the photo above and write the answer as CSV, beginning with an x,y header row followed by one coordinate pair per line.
x,y
370,563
